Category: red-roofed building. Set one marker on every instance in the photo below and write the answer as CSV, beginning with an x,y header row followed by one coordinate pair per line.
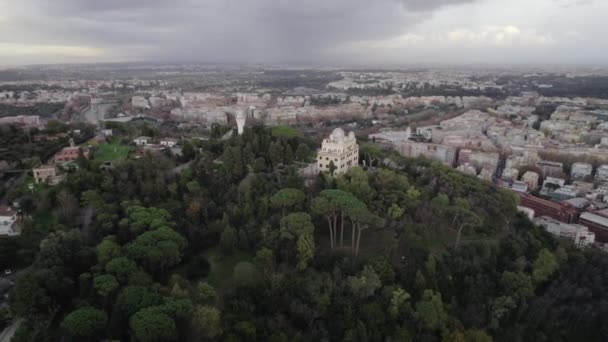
x,y
597,222
557,211
68,154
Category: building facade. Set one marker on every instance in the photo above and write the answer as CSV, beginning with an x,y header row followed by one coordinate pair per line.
x,y
543,207
46,174
8,221
70,154
581,170
341,150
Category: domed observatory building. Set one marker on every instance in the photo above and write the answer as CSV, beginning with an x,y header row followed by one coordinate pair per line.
x,y
340,149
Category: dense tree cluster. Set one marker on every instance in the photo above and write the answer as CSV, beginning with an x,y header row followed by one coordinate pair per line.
x,y
238,247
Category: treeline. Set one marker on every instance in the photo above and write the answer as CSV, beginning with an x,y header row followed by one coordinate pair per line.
x,y
44,110
416,253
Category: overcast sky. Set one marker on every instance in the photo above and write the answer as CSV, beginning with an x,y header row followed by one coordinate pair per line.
x,y
381,32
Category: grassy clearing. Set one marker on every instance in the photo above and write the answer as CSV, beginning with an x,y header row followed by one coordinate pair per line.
x,y
222,266
111,152
284,132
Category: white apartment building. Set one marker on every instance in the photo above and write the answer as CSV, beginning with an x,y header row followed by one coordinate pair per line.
x,y
8,221
340,149
580,234
142,141
601,173
168,142
531,178
581,170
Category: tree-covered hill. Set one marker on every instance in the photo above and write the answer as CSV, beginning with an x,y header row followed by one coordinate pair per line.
x,y
237,248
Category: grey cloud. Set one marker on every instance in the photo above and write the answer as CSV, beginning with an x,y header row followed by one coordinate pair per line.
x,y
230,30
424,5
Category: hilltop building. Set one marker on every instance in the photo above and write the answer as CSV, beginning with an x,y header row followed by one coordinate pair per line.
x,y
340,149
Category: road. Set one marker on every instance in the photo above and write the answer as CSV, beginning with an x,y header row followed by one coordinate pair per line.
x,y
7,334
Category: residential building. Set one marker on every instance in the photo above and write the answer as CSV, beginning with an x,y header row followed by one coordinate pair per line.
x,y
549,168
511,174
485,160
46,174
442,153
531,178
581,170
445,154
142,141
464,156
601,174
580,234
8,221
519,186
486,174
140,102
340,149
70,154
168,142
564,193
551,184
392,137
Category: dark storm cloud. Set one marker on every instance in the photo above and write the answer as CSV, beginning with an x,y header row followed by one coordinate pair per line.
x,y
231,30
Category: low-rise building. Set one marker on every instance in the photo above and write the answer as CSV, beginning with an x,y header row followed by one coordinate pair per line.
x,y
551,184
601,174
580,234
142,141
392,137
140,102
442,153
464,156
46,174
597,222
511,174
8,221
549,168
544,207
486,174
581,170
531,178
168,142
485,160
564,193
70,154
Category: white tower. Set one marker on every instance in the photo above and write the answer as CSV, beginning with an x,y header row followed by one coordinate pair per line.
x,y
241,117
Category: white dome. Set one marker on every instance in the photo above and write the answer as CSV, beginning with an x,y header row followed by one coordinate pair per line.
x,y
337,135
